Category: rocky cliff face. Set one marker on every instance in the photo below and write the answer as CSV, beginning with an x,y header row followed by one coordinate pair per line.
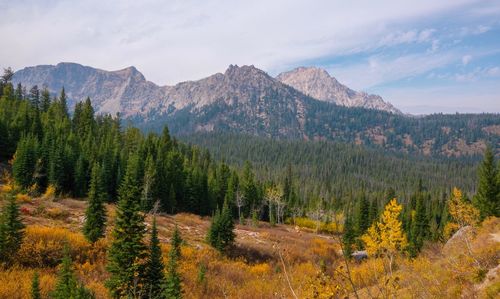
x,y
128,92
125,91
317,83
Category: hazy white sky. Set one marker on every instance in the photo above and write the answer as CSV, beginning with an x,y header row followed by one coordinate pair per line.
x,y
423,56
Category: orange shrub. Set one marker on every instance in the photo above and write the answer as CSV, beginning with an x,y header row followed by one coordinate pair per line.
x,y
23,198
56,213
50,192
16,282
43,246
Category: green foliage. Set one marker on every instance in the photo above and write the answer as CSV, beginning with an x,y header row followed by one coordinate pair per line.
x,y
35,287
487,199
67,285
154,277
95,214
11,231
23,168
173,288
220,234
127,251
349,236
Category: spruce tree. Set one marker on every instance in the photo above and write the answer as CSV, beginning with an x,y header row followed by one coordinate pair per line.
x,y
487,199
63,103
363,217
95,214
45,101
67,285
35,287
173,287
147,200
154,277
349,236
23,168
221,232
11,230
176,241
127,251
419,230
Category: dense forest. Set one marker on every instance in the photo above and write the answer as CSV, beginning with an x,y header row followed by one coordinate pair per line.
x,y
369,197
438,134
333,169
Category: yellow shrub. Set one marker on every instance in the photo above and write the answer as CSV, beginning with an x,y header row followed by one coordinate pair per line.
x,y
323,227
6,188
260,269
23,198
43,246
50,192
56,213
16,283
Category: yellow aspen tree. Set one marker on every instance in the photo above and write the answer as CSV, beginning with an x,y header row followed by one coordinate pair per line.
x,y
386,237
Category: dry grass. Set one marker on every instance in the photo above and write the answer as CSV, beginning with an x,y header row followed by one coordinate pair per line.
x,y
253,268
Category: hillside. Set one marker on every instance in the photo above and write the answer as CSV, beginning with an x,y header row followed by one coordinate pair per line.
x,y
247,100
256,267
335,169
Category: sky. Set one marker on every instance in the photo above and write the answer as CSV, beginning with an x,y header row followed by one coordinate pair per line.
x,y
422,56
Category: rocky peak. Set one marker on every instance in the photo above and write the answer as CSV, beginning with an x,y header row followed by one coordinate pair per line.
x,y
317,83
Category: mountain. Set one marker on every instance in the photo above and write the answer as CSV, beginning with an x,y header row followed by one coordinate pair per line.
x,y
317,83
125,91
247,100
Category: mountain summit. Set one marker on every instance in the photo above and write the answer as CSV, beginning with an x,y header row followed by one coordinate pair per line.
x,y
318,84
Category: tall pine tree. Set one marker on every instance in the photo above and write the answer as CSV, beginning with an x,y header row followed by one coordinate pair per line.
x,y
154,276
11,231
127,252
487,199
95,214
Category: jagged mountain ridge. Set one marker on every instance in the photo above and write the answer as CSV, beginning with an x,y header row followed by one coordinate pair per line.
x,y
248,100
128,92
317,83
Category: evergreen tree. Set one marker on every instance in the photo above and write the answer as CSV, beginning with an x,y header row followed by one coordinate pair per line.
x,y
95,214
220,234
63,103
35,287
155,279
45,101
363,215
419,225
23,168
35,97
127,251
173,289
176,241
11,230
487,199
349,235
67,285
147,200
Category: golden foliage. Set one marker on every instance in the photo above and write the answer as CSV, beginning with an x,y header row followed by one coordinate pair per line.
x,y
15,282
463,213
386,236
56,213
23,198
324,227
50,193
43,246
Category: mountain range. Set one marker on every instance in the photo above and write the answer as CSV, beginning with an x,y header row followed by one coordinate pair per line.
x,y
304,103
128,92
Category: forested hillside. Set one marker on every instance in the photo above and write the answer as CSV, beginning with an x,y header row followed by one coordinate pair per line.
x,y
334,169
